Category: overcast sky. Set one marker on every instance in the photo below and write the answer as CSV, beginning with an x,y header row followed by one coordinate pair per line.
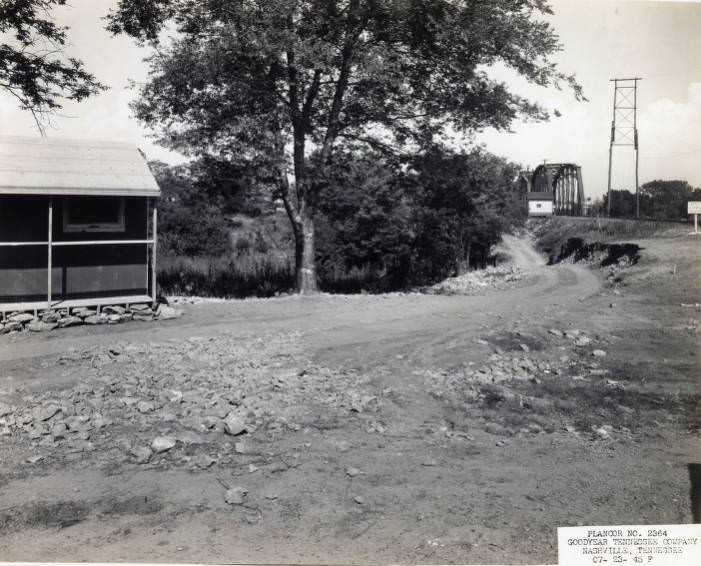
x,y
602,39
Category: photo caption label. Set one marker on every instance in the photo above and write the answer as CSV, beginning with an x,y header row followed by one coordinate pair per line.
x,y
630,545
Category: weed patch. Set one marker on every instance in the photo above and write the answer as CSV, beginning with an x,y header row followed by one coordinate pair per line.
x,y
555,403
44,515
226,276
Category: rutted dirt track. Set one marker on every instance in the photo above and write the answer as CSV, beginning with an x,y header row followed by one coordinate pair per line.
x,y
410,428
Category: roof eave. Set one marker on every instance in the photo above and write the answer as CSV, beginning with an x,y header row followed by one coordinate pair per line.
x,y
97,192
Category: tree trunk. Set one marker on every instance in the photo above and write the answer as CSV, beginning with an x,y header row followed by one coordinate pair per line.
x,y
462,265
305,267
302,223
303,230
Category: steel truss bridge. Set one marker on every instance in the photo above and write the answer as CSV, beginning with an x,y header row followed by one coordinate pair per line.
x,y
559,182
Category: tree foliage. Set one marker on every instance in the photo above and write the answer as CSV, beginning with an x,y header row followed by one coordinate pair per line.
x,y
268,83
400,226
365,223
663,200
180,204
464,202
477,191
32,67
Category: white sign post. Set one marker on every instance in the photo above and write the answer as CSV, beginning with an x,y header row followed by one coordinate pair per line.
x,y
694,207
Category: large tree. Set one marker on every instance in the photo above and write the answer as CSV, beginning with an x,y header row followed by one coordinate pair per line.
x,y
273,82
667,199
33,67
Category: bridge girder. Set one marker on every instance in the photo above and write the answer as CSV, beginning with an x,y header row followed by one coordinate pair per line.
x,y
564,182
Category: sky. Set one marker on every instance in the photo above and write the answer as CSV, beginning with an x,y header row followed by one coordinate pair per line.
x,y
658,41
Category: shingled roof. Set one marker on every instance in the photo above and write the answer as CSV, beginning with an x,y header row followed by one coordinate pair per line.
x,y
53,166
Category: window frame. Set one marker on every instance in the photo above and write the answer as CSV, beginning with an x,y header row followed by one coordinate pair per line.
x,y
73,228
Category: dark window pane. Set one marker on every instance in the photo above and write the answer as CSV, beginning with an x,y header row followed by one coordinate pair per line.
x,y
93,210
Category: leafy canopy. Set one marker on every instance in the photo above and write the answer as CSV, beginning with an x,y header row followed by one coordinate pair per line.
x,y
280,86
395,227
661,199
246,75
32,67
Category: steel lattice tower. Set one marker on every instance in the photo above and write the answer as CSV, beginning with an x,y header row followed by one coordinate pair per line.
x,y
624,127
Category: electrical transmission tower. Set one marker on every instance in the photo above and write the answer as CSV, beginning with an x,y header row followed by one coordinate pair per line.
x,y
624,127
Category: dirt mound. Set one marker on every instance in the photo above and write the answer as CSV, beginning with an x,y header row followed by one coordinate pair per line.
x,y
477,282
601,254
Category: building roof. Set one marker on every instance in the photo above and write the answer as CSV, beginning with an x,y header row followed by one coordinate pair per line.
x,y
51,166
543,195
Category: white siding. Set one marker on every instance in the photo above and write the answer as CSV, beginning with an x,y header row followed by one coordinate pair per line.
x,y
540,207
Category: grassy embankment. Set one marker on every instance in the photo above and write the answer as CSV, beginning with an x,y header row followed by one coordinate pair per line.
x,y
561,236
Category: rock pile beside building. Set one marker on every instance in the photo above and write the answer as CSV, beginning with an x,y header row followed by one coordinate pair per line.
x,y
51,319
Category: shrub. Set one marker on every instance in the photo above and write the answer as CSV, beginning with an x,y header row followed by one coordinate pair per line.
x,y
185,231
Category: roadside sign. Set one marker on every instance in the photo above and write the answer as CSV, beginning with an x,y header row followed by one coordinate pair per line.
x,y
693,207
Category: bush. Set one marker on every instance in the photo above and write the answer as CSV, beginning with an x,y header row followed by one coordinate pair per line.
x,y
190,223
384,227
186,231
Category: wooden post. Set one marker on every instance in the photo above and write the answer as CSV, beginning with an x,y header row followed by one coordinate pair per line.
x,y
49,249
153,253
635,143
148,245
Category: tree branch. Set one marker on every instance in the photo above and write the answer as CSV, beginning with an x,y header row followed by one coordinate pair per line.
x,y
355,26
311,95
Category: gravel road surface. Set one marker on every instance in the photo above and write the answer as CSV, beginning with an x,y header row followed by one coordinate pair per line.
x,y
335,429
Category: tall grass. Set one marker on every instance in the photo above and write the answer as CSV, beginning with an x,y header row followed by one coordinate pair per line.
x,y
228,276
251,274
354,280
616,227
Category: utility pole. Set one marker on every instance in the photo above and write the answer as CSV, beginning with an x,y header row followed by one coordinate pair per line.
x,y
624,128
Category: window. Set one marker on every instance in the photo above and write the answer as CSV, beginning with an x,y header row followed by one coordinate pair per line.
x,y
538,205
93,214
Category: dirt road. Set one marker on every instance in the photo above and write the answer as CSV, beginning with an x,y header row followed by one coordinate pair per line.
x,y
405,427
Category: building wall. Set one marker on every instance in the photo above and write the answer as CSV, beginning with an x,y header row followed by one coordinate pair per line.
x,y
78,271
540,208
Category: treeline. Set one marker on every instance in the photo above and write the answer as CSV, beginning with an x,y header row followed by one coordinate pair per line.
x,y
660,200
381,224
